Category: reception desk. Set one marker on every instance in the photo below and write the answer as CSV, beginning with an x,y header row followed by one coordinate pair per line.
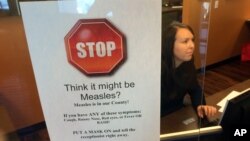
x,y
184,122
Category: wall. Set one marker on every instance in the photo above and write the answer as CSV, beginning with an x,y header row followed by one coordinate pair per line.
x,y
227,28
228,31
18,93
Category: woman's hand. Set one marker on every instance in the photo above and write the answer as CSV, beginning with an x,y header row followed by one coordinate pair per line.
x,y
206,110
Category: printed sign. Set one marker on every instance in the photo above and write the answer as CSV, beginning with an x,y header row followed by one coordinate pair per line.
x,y
97,67
95,46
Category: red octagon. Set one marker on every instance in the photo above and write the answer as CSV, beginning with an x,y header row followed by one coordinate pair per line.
x,y
94,46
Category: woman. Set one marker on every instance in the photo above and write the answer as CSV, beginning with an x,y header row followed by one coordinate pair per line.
x,y
179,73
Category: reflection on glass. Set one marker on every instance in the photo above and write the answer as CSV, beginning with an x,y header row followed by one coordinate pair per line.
x,y
203,31
78,6
83,6
4,5
109,14
206,9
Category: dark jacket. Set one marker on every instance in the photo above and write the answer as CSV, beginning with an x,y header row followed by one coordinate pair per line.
x,y
175,86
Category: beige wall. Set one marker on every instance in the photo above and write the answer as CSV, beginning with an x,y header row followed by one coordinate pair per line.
x,y
18,93
227,28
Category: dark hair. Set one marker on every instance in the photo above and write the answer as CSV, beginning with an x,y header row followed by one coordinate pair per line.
x,y
168,40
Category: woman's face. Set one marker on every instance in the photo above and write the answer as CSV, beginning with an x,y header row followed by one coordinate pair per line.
x,y
183,46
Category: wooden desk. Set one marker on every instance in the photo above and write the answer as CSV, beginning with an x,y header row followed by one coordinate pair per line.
x,y
216,98
173,124
175,121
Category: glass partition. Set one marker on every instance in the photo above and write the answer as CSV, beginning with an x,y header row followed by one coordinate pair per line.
x,y
185,123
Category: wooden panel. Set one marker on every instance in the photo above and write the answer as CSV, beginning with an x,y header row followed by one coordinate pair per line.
x,y
227,28
18,93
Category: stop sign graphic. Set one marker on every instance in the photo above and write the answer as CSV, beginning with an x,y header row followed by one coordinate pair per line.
x,y
95,46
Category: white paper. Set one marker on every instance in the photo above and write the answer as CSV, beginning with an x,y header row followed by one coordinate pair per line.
x,y
230,96
136,105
